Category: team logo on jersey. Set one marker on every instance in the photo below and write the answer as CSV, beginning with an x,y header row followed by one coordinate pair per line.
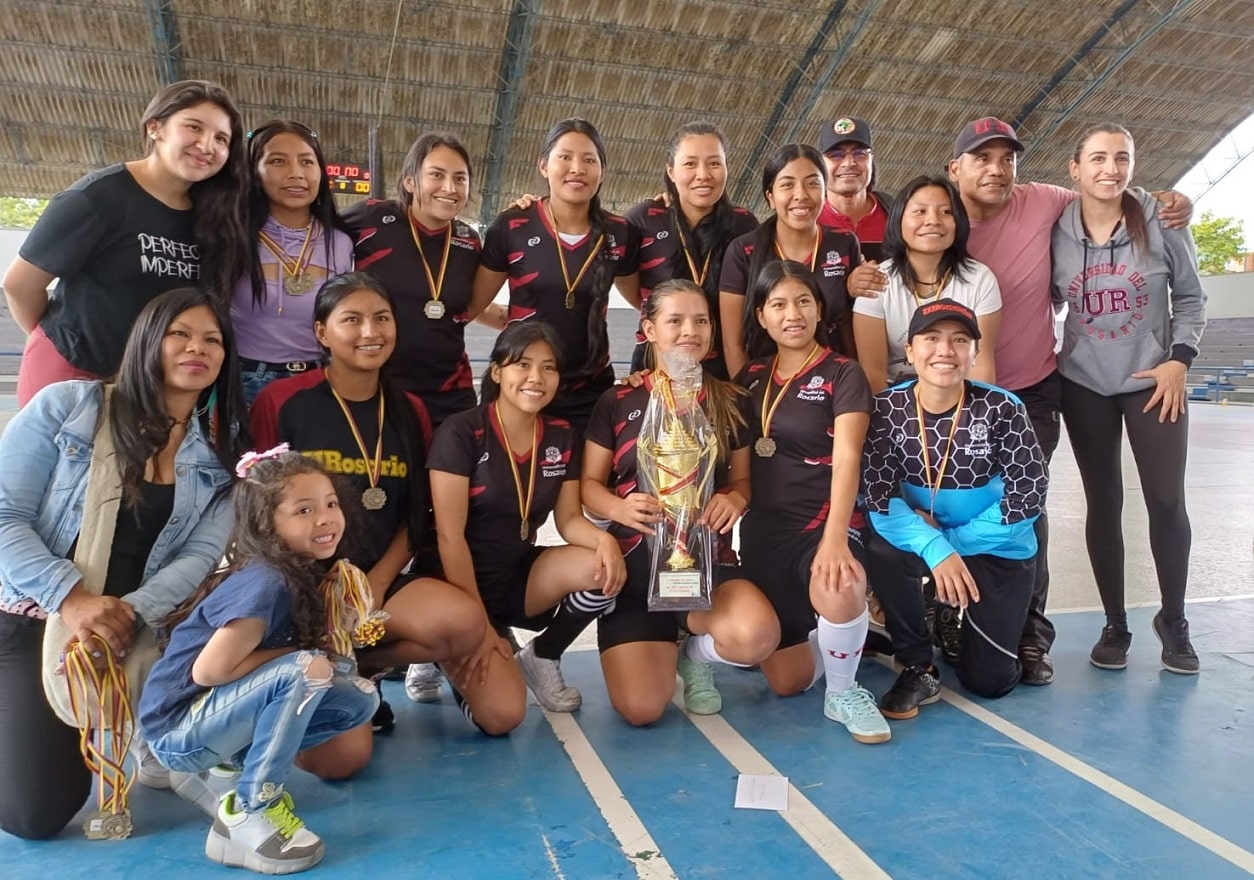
x,y
754,384
389,218
844,125
898,437
977,435
979,431
533,241
554,464
552,455
483,457
609,241
815,391
832,258
660,236
633,415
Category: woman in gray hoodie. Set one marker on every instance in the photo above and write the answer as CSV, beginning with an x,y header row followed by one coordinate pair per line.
x,y
1136,312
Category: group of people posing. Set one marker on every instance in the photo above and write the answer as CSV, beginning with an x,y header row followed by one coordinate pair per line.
x,y
248,373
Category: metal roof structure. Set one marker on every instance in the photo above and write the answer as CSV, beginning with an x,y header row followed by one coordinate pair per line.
x,y
76,74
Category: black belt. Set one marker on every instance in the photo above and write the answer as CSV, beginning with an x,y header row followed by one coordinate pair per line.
x,y
249,365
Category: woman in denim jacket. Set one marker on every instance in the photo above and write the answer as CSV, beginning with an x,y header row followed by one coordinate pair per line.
x,y
177,387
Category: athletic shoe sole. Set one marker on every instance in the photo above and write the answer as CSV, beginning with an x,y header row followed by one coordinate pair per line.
x,y
1114,666
906,716
226,852
1177,670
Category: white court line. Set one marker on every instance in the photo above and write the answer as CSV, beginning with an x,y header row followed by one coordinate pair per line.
x,y
1202,836
636,842
829,843
1204,600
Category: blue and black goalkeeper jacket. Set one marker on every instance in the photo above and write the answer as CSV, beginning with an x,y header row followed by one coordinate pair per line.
x,y
993,488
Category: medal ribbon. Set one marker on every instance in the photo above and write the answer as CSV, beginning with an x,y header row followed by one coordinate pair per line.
x,y
814,255
769,407
291,267
697,277
373,469
108,691
524,499
561,259
935,294
435,285
927,455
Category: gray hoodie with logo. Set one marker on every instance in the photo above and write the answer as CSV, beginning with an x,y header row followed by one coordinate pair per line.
x,y
1128,310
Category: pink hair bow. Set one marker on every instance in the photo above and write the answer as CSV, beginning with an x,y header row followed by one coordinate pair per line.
x,y
249,460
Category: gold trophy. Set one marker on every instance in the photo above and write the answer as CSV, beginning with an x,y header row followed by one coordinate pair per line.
x,y
676,454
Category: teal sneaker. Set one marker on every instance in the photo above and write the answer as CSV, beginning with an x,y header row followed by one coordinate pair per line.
x,y
701,697
855,708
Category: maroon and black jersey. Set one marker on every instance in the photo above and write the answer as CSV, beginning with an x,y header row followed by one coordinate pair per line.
x,y
470,444
615,425
661,260
524,245
302,411
838,254
792,488
430,358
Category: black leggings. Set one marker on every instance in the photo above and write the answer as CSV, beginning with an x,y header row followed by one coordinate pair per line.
x,y
45,779
1095,425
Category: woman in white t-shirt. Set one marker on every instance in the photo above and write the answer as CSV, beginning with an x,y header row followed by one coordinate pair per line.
x,y
925,249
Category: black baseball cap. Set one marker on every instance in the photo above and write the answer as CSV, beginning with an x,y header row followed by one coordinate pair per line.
x,y
846,128
979,132
929,314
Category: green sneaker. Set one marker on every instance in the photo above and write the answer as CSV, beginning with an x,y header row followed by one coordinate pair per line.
x,y
701,697
855,708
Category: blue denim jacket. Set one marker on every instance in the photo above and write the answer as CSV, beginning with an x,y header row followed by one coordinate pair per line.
x,y
45,453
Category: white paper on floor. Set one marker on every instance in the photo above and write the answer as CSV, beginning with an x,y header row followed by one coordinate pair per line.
x,y
761,792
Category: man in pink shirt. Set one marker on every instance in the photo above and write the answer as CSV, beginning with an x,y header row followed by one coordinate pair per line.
x,y
1010,233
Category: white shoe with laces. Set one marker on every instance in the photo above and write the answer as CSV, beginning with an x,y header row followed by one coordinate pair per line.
x,y
422,682
270,841
544,679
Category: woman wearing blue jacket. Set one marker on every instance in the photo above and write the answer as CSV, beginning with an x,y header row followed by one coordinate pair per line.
x,y
171,422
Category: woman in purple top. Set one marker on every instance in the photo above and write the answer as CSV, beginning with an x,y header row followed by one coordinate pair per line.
x,y
299,242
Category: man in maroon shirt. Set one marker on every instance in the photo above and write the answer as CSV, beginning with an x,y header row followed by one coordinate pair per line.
x,y
852,205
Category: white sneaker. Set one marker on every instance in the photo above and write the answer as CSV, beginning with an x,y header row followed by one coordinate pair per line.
x,y
422,682
152,773
206,788
544,679
269,841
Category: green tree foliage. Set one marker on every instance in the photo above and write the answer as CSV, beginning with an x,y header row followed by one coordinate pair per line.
x,y
1220,240
16,213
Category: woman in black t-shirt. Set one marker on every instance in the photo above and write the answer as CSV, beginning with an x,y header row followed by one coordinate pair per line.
x,y
361,427
794,182
497,472
123,234
809,408
560,256
638,650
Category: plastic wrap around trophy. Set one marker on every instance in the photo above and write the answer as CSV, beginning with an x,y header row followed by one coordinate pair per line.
x,y
676,454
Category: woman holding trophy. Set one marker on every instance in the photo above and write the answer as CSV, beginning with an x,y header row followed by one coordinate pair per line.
x,y
667,463
809,408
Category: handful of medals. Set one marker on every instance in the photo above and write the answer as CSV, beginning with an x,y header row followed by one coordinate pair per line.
x,y
352,620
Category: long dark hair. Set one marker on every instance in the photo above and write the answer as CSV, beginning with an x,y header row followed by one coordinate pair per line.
x,y
713,233
601,273
400,409
955,261
419,150
138,417
721,405
1133,216
758,343
764,235
218,204
254,539
323,208
510,346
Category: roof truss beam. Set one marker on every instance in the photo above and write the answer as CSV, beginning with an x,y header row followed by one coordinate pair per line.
x,y
519,35
165,40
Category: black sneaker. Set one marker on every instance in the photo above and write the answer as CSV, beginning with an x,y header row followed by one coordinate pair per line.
x,y
384,722
916,686
1038,668
949,632
1178,653
1111,650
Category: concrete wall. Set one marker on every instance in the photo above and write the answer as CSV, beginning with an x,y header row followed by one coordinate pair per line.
x,y
1229,296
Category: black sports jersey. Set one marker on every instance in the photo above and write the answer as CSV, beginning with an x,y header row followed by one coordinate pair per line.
x,y
430,358
838,254
615,425
993,487
470,444
524,245
302,411
792,488
661,260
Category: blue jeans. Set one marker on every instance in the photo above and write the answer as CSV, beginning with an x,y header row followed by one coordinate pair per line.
x,y
257,716
255,380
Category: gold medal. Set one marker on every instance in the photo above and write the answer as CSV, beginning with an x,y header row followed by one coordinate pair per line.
x,y
524,498
561,259
103,825
524,530
434,309
300,283
374,498
765,447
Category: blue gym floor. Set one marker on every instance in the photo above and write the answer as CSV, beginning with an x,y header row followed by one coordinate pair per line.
x,y
1139,774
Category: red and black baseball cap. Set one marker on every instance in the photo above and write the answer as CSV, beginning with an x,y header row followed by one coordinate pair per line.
x,y
979,132
930,314
846,128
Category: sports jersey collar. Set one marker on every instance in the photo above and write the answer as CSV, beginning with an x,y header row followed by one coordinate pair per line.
x,y
544,219
499,432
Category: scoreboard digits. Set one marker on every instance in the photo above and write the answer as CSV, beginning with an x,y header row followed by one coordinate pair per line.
x,y
348,178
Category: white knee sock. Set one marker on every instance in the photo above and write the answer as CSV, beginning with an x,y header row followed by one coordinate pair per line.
x,y
841,646
700,649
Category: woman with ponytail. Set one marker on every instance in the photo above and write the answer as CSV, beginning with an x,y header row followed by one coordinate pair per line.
x,y
560,256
